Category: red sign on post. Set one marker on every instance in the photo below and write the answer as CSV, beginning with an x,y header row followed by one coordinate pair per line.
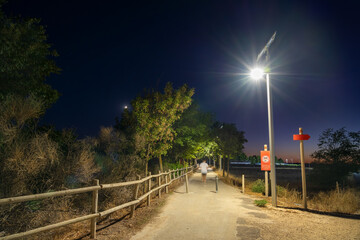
x,y
297,137
265,161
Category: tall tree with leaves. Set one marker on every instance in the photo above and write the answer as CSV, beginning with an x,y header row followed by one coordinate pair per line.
x,y
230,141
155,115
193,134
26,59
338,154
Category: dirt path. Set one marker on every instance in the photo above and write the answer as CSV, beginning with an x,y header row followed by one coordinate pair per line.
x,y
229,214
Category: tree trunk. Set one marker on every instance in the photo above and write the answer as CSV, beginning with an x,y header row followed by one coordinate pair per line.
x,y
228,166
223,166
220,163
160,163
146,168
147,160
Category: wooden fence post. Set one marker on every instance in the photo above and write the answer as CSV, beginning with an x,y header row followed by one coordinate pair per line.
x,y
243,183
266,184
166,181
136,190
149,196
187,183
159,182
94,209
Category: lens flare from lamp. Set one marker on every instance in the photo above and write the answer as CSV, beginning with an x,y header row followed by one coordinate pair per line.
x,y
257,73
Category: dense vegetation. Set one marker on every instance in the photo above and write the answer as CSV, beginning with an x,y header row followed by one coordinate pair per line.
x,y
161,130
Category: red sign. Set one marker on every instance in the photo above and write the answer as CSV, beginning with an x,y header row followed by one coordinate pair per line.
x,y
301,137
265,160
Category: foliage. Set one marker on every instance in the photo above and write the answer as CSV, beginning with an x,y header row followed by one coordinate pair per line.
x,y
117,155
229,140
258,186
26,60
256,159
155,114
193,135
171,166
338,154
260,203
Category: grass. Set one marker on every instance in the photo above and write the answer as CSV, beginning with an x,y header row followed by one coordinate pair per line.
x,y
260,203
337,200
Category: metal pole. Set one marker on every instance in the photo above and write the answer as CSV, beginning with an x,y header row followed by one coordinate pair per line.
x,y
271,141
303,176
216,183
266,177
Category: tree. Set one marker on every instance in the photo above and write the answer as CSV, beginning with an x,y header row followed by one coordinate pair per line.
x,y
155,115
193,134
338,154
26,60
254,159
230,140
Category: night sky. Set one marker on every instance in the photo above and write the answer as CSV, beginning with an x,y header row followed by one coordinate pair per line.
x,y
111,50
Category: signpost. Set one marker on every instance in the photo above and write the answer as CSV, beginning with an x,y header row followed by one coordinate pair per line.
x,y
301,137
266,166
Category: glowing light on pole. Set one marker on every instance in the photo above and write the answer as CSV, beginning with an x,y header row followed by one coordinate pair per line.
x,y
257,73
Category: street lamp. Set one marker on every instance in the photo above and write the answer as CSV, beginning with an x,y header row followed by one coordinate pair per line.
x,y
258,73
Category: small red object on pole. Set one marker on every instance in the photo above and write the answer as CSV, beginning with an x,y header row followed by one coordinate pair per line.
x,y
297,137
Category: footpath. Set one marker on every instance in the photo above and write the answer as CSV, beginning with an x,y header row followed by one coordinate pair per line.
x,y
229,214
204,214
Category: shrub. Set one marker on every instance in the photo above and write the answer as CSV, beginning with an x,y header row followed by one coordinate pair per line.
x,y
258,186
281,191
170,166
338,200
260,203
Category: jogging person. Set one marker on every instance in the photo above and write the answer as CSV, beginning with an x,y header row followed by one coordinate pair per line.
x,y
203,167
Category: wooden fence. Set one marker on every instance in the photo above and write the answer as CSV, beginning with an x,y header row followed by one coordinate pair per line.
x,y
169,176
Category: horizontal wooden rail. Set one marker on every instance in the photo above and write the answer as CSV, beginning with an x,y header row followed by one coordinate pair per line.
x,y
47,195
49,227
11,200
114,209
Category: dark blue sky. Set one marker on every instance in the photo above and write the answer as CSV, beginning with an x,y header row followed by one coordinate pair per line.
x,y
111,50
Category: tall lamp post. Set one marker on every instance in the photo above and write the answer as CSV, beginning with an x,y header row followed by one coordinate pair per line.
x,y
258,73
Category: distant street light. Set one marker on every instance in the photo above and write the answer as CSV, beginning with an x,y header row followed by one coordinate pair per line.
x,y
257,73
